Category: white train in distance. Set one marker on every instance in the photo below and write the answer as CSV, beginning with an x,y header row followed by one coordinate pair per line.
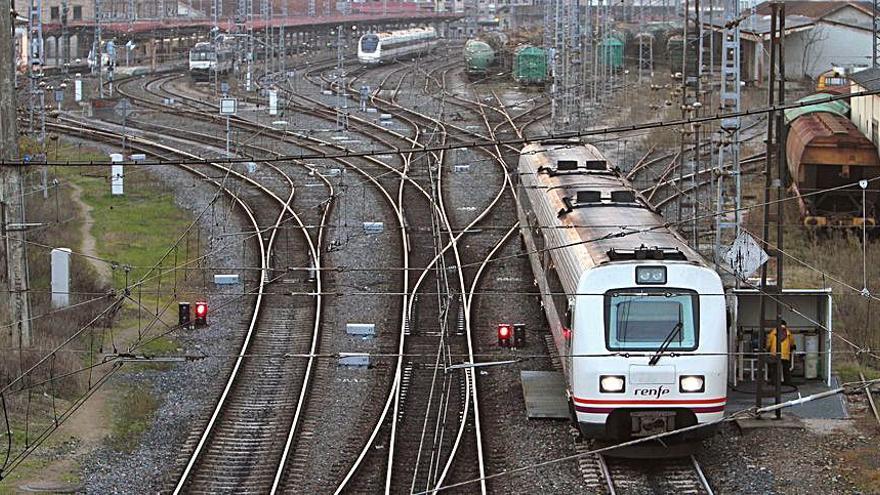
x,y
637,316
375,48
207,59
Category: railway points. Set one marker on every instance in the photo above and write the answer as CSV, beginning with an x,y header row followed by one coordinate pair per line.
x,y
377,304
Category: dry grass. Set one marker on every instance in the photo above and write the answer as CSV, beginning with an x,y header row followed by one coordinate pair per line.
x,y
837,260
52,386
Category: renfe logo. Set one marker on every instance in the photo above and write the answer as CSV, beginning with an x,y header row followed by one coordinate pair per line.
x,y
656,393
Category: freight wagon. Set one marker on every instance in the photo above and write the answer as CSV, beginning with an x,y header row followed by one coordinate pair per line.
x,y
827,156
478,56
530,65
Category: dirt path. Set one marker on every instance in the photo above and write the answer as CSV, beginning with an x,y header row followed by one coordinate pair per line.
x,y
89,425
89,244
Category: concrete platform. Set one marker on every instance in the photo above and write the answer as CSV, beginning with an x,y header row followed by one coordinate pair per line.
x,y
544,393
787,421
833,407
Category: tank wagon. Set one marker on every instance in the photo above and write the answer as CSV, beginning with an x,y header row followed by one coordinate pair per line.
x,y
530,65
639,319
478,56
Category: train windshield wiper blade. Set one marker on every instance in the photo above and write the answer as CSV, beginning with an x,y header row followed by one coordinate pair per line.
x,y
666,343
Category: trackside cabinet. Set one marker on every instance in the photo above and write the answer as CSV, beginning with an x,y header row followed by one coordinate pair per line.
x,y
808,313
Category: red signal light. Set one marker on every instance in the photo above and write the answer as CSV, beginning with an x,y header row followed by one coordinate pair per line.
x,y
201,314
505,331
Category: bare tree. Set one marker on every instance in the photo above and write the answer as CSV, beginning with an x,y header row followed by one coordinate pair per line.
x,y
813,39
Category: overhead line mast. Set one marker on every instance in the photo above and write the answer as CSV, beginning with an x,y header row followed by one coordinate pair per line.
x,y
729,146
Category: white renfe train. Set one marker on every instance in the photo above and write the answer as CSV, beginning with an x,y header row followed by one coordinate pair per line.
x,y
375,48
637,316
207,59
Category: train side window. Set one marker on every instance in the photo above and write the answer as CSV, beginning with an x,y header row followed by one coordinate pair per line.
x,y
569,316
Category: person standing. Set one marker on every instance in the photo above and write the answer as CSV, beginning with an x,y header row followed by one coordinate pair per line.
x,y
787,347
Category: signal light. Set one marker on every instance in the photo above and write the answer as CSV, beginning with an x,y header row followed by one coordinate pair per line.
x,y
183,314
505,332
201,314
519,335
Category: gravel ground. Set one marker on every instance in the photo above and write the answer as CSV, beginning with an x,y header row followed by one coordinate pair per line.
x,y
820,459
187,389
827,457
508,295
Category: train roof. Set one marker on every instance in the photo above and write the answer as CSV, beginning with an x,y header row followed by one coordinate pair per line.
x,y
839,107
825,138
406,33
601,215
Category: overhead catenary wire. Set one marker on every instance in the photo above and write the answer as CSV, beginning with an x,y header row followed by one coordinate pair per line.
x,y
623,233
751,412
478,144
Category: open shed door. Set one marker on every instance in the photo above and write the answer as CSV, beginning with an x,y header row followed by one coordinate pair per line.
x,y
808,313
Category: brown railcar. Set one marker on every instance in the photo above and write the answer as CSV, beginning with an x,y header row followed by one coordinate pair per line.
x,y
826,151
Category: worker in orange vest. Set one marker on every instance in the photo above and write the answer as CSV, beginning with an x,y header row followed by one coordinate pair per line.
x,y
787,347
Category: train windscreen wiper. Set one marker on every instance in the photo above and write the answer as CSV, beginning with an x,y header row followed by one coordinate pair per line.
x,y
666,343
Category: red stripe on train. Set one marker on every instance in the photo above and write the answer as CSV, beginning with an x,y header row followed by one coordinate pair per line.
x,y
682,402
609,410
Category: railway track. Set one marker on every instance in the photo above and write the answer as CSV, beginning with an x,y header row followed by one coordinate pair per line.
x,y
625,477
238,449
247,439
440,468
440,449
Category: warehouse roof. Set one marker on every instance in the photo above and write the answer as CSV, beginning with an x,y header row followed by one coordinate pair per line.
x,y
868,79
814,9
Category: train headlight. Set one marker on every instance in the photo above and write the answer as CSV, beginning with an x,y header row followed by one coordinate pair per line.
x,y
612,384
691,384
651,275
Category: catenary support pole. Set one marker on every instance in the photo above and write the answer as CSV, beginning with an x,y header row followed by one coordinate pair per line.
x,y
780,192
11,192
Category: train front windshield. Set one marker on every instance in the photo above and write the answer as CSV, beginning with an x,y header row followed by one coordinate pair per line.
x,y
643,320
369,43
201,56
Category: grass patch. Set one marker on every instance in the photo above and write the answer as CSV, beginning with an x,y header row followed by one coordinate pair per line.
x,y
136,229
34,466
161,346
848,371
131,409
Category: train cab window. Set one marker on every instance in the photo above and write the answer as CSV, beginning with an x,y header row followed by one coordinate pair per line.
x,y
640,319
369,43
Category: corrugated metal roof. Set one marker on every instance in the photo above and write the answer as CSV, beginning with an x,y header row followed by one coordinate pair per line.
x,y
814,9
868,79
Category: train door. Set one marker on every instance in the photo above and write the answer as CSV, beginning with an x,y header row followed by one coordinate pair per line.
x,y
568,333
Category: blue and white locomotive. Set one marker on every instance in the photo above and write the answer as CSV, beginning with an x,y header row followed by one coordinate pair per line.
x,y
375,48
637,316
